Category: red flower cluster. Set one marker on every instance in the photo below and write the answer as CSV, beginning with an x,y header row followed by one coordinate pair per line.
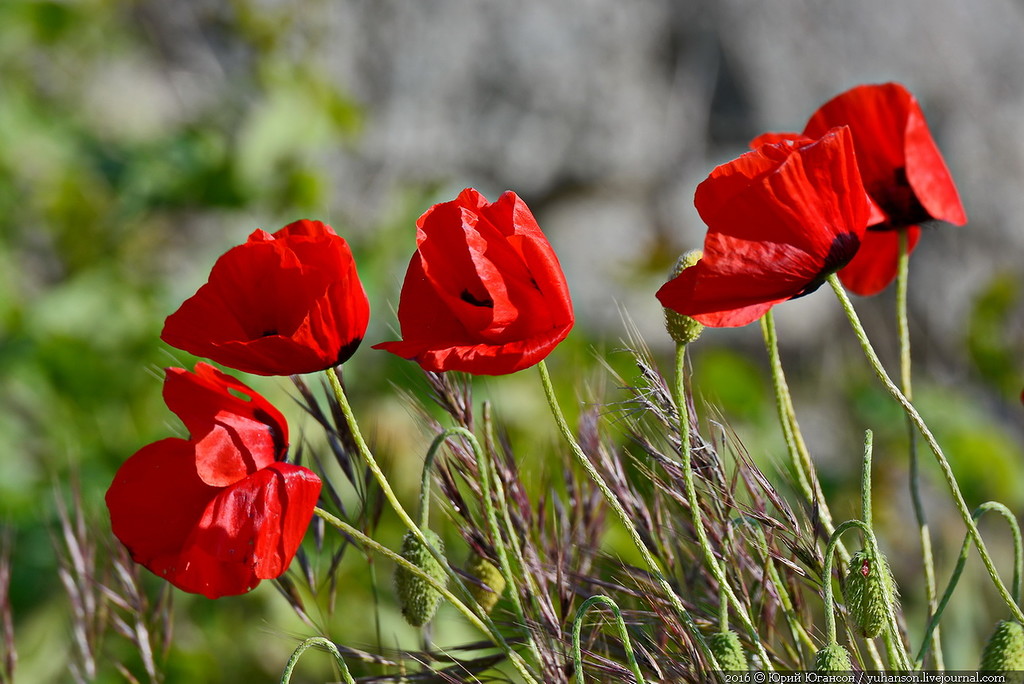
x,y
279,304
791,212
781,219
903,172
218,512
484,292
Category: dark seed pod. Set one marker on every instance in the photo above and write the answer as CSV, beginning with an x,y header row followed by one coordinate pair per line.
x,y
728,651
865,592
418,599
832,658
1004,650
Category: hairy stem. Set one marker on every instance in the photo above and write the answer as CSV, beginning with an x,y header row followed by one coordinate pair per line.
x,y
903,332
627,645
286,676
929,438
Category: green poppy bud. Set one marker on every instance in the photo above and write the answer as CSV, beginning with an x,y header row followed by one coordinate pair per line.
x,y
728,651
486,573
832,658
683,329
418,599
865,592
1004,650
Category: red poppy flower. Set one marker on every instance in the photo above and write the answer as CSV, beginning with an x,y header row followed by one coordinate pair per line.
x,y
484,292
902,170
781,219
279,304
218,512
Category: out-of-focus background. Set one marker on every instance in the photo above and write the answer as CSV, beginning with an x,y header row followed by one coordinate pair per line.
x,y
139,139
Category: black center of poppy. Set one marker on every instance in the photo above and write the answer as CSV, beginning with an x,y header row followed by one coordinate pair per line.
x,y
468,297
840,252
898,200
269,333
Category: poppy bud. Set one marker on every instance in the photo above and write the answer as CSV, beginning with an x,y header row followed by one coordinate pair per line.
x,y
683,329
728,651
416,596
485,572
1004,650
832,658
865,588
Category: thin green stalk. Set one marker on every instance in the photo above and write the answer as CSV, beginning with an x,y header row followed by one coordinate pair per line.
x,y
484,465
286,676
929,438
627,523
799,456
679,392
480,622
484,621
1018,571
903,332
627,645
865,480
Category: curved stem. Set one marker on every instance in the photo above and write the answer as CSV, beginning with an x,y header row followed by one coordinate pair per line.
x,y
679,392
627,523
929,438
286,676
903,332
484,466
1018,571
483,621
627,645
897,654
799,456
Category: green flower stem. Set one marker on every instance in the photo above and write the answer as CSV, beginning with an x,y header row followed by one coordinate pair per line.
x,y
627,645
1018,571
796,626
533,590
483,622
679,395
865,480
897,654
627,523
286,676
929,438
903,332
484,465
799,456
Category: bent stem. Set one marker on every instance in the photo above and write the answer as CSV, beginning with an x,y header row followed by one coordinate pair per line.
x,y
1018,571
627,523
897,653
903,332
477,621
679,392
627,645
483,622
286,676
799,456
929,438
484,465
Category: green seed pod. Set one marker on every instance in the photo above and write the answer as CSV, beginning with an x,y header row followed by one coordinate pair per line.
x,y
683,329
864,590
832,658
485,572
416,596
728,651
1004,650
